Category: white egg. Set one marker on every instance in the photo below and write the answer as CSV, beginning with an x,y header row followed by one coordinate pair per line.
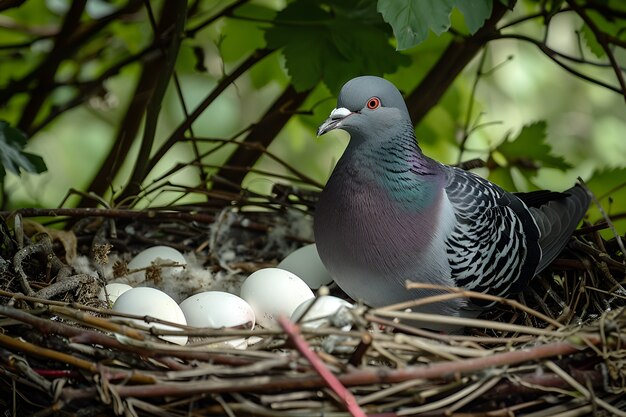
x,y
272,292
324,307
217,309
305,262
146,301
162,254
113,290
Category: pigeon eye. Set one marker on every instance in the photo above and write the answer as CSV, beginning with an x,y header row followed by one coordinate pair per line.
x,y
373,103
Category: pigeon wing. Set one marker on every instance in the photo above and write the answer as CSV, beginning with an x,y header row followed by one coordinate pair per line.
x,y
493,247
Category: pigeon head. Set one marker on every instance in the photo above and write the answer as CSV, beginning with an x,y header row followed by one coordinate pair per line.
x,y
367,106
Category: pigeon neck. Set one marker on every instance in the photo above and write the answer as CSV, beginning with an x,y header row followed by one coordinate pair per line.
x,y
403,152
397,166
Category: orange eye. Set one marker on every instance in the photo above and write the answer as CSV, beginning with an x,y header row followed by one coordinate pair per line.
x,y
373,103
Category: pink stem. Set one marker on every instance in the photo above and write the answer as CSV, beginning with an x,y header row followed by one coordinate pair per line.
x,y
329,378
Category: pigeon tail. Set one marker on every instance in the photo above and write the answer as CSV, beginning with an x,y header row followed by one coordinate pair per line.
x,y
557,215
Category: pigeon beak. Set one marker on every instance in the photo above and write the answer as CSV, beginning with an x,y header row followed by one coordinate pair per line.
x,y
334,121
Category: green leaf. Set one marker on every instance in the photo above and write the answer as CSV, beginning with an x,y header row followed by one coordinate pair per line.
x,y
13,159
591,41
239,37
609,183
503,177
475,12
411,20
529,150
609,186
332,43
615,27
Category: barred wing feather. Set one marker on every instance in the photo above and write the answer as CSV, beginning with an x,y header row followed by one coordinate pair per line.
x,y
493,247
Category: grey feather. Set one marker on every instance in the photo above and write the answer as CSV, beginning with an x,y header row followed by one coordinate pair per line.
x,y
557,219
389,213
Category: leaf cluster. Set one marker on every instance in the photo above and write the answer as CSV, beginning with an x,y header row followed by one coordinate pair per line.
x,y
332,42
12,155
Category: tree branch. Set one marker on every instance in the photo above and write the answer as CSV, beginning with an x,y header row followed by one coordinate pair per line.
x,y
191,33
552,54
47,72
90,88
262,134
43,74
8,4
603,39
171,26
130,125
179,133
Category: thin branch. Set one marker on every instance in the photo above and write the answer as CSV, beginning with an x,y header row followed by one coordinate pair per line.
x,y
179,133
446,370
470,105
531,16
581,389
552,54
264,132
227,11
112,213
604,40
79,35
87,89
45,75
174,30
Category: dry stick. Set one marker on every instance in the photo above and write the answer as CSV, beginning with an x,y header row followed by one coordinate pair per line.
x,y
72,310
465,322
448,400
19,257
486,386
361,349
585,230
24,368
383,393
584,391
366,376
511,410
113,213
593,252
460,292
346,397
91,367
447,337
66,285
91,337
605,292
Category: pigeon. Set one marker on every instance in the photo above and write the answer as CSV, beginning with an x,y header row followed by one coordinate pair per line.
x,y
389,214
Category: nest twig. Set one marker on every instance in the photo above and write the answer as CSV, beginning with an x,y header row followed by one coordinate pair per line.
x,y
558,350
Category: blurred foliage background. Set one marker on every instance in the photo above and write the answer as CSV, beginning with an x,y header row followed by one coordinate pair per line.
x,y
162,103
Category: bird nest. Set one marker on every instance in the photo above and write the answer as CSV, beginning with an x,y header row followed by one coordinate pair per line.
x,y
556,350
